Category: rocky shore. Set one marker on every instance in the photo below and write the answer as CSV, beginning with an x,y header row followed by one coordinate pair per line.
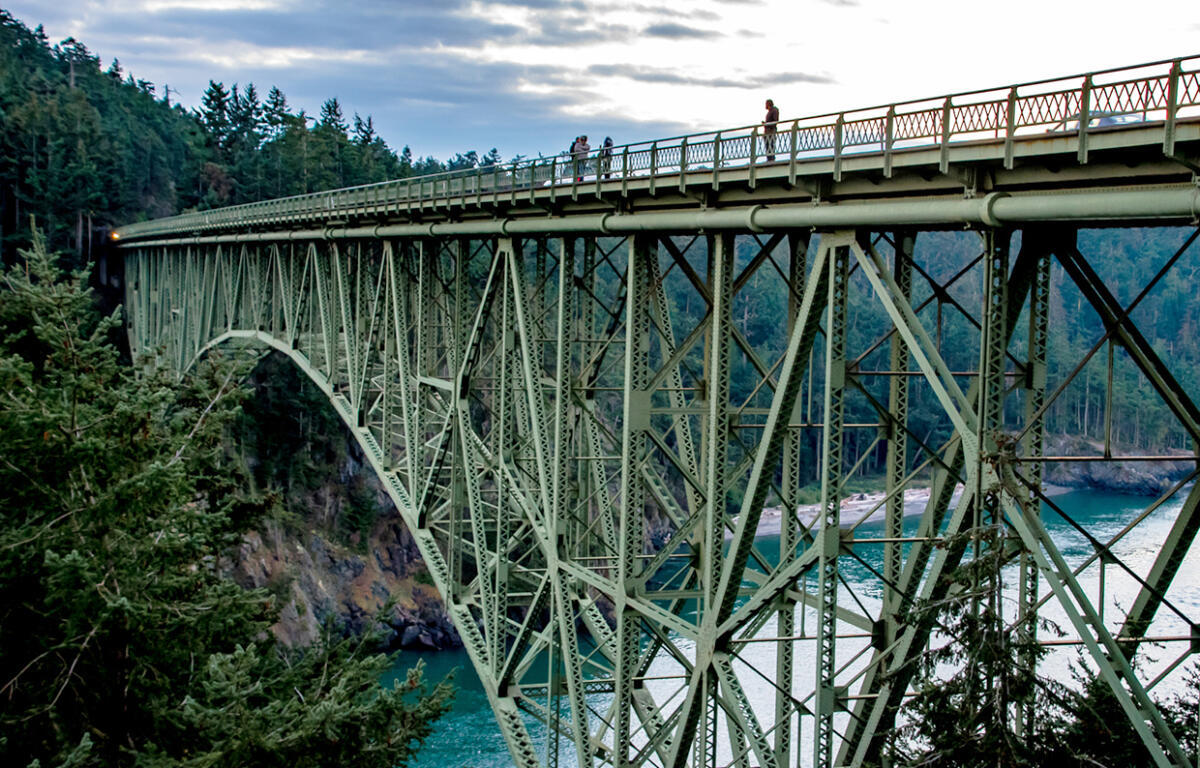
x,y
315,577
1143,478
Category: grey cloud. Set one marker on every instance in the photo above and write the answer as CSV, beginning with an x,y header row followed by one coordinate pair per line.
x,y
572,30
323,25
675,31
657,10
654,75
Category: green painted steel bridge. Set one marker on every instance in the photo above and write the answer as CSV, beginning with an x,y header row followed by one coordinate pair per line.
x,y
536,359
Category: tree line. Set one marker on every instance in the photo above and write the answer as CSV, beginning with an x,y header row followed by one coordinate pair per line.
x,y
84,147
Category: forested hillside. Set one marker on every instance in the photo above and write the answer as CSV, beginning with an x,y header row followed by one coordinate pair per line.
x,y
85,146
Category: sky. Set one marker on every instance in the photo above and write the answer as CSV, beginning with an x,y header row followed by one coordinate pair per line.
x,y
527,76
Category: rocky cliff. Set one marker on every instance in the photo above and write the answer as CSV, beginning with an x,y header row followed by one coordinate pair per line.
x,y
333,545
315,577
1146,478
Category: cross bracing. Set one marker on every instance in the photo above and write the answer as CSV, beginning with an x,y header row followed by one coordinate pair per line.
x,y
565,394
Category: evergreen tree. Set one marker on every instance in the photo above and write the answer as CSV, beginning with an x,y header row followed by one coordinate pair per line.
x,y
491,158
214,114
971,716
331,116
364,130
121,641
276,114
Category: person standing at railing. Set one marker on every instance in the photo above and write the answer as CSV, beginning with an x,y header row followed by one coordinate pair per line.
x,y
770,126
580,150
606,156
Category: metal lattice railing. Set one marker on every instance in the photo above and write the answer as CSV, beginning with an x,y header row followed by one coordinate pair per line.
x,y
1160,92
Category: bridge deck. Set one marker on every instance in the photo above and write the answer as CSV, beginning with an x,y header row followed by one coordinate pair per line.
x,y
1137,126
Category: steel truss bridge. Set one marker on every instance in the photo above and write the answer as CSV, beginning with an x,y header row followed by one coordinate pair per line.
x,y
536,359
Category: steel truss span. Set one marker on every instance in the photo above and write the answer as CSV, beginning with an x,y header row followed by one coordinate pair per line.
x,y
585,486
585,405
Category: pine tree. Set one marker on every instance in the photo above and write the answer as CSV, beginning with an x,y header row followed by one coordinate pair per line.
x,y
331,116
121,641
971,716
214,113
276,114
364,130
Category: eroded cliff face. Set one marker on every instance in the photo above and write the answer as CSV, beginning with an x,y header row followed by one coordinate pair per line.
x,y
315,578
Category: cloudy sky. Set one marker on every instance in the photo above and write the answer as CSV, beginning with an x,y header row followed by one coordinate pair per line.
x,y
526,76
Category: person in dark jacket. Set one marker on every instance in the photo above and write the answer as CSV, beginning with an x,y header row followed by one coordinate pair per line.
x,y
770,126
606,156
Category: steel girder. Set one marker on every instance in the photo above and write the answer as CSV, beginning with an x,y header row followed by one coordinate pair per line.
x,y
585,433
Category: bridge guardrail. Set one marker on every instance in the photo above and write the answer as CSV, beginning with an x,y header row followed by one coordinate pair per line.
x,y
1157,92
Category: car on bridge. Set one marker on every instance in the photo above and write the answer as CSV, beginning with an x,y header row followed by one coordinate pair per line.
x,y
1097,120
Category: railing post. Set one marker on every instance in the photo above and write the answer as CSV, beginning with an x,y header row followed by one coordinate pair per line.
x,y
1010,127
1085,117
889,129
753,155
653,164
944,160
795,133
716,174
512,183
683,147
838,128
1172,108
625,171
553,177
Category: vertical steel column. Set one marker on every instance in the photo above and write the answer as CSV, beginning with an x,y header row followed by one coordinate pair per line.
x,y
715,427
1035,397
897,441
994,342
785,617
561,503
829,533
634,444
506,390
990,418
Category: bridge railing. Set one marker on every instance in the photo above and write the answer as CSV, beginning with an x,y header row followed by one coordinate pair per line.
x,y
1159,92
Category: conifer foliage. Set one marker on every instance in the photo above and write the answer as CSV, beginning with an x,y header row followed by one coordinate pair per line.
x,y
122,642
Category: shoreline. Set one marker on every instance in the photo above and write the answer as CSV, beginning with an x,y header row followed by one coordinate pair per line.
x,y
860,508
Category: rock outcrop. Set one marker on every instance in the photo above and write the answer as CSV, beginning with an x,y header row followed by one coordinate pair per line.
x,y
1147,478
315,578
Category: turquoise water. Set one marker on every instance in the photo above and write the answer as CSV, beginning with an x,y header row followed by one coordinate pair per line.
x,y
468,737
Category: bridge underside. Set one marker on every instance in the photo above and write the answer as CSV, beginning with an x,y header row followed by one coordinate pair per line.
x,y
585,433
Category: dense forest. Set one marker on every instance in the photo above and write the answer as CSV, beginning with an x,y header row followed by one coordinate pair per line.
x,y
84,147
123,638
